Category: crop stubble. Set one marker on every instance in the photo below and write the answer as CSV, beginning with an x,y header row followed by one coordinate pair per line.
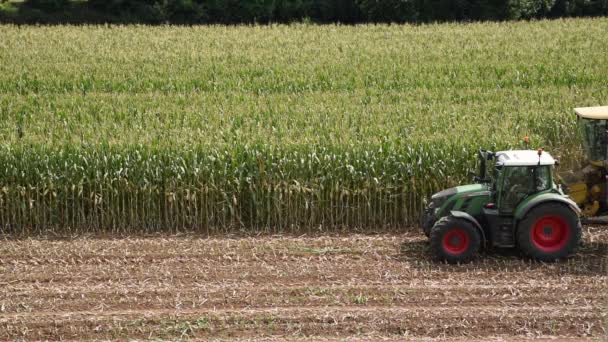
x,y
324,287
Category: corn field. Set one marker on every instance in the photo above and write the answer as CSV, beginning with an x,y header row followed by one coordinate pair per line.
x,y
275,128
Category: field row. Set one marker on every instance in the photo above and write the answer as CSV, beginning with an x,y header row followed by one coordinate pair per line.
x,y
494,117
298,58
366,287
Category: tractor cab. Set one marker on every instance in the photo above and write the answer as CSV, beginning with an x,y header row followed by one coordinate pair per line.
x,y
520,174
518,206
519,177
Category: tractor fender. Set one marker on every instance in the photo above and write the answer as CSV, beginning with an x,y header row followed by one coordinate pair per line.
x,y
468,217
521,211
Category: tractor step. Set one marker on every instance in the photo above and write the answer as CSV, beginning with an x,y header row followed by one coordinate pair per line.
x,y
595,220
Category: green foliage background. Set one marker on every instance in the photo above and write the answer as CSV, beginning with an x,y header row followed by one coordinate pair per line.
x,y
275,128
282,11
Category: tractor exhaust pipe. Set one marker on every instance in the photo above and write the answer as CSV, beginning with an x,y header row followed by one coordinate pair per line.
x,y
482,164
483,157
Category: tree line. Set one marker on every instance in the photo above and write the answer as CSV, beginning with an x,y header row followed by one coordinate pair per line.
x,y
285,11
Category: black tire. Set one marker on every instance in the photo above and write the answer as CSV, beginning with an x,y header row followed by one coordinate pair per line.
x,y
455,240
549,232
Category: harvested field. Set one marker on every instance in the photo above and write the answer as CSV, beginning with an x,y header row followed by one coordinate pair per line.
x,y
327,287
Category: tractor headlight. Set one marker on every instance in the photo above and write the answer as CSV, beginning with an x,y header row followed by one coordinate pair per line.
x,y
438,202
438,199
445,193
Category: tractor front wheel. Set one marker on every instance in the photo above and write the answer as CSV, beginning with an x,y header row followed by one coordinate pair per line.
x,y
548,232
454,240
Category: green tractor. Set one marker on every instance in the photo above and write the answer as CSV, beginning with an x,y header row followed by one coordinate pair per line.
x,y
518,206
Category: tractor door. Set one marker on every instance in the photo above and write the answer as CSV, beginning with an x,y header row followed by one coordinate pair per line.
x,y
514,186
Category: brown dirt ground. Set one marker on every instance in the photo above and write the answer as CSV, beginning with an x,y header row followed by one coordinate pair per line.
x,y
382,287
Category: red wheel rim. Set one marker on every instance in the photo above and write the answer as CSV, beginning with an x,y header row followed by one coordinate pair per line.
x,y
550,233
456,241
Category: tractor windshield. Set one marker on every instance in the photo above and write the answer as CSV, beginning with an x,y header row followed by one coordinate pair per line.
x,y
515,183
595,138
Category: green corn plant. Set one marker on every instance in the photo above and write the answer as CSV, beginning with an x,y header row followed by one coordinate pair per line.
x,y
273,129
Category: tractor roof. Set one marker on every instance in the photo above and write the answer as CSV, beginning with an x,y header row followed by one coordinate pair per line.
x,y
523,158
595,113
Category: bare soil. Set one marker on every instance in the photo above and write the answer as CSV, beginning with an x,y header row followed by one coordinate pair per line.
x,y
298,288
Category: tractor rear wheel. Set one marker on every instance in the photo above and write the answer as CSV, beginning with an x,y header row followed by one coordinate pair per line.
x,y
548,232
454,240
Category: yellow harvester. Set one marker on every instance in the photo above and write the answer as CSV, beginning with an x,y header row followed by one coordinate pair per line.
x,y
589,191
